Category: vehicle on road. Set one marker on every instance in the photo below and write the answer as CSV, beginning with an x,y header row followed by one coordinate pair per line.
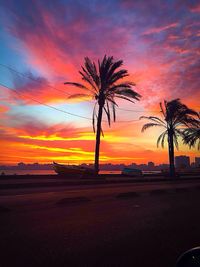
x,y
131,172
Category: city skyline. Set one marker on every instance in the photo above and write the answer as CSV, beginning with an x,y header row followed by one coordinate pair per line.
x,y
149,164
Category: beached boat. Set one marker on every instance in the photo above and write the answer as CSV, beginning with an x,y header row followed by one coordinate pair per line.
x,y
72,170
131,172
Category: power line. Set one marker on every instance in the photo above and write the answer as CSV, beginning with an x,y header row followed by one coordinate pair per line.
x,y
52,107
41,103
35,80
129,110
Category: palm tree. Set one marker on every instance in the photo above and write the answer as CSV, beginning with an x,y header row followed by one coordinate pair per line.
x,y
192,134
175,115
103,80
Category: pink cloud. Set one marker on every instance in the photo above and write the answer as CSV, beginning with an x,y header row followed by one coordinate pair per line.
x,y
161,28
195,9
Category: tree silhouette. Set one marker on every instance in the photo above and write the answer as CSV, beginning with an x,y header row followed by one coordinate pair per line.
x,y
175,115
103,80
192,134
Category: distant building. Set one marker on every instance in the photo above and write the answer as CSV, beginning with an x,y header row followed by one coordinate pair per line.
x,y
182,162
192,165
21,164
133,165
151,164
197,161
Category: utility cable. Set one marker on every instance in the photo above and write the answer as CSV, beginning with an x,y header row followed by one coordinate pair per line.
x,y
52,107
35,80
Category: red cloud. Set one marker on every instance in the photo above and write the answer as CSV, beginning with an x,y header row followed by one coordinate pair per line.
x,y
195,8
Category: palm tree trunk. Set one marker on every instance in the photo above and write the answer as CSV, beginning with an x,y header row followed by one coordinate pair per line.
x,y
98,136
171,154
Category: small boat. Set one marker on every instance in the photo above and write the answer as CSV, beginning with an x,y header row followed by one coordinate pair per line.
x,y
131,172
72,170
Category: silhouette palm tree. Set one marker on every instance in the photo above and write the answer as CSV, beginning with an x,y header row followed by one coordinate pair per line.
x,y
192,134
103,80
175,115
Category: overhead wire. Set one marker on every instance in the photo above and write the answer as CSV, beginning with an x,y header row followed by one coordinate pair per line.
x,y
52,107
129,110
55,88
44,104
35,80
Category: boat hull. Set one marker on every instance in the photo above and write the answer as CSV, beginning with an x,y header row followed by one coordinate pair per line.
x,y
72,170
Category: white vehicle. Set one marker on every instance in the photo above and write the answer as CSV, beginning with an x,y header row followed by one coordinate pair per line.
x,y
131,172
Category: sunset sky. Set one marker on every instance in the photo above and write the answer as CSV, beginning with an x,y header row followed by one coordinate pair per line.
x,y
46,41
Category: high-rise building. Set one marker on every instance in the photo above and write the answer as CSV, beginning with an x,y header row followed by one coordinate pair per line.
x,y
197,161
182,162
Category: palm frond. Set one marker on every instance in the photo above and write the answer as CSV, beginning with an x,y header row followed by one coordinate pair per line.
x,y
192,137
154,119
148,125
102,133
114,112
107,111
162,110
91,70
128,93
75,96
125,98
79,85
112,101
121,86
180,132
114,66
87,78
175,139
161,139
118,75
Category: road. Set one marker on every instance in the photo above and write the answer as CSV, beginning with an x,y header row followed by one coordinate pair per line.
x,y
17,198
112,228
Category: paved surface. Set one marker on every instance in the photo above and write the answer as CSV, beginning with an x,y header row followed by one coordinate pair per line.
x,y
148,229
18,198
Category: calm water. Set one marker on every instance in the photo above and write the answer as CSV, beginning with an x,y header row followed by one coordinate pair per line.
x,y
25,172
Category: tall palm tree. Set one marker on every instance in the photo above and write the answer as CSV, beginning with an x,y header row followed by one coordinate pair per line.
x,y
192,134
103,80
175,115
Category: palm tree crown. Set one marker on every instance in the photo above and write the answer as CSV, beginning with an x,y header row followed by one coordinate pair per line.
x,y
103,80
175,114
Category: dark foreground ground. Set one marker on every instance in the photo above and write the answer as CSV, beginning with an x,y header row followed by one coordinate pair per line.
x,y
151,229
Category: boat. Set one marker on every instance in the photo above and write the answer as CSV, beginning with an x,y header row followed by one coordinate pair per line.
x,y
72,170
131,172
